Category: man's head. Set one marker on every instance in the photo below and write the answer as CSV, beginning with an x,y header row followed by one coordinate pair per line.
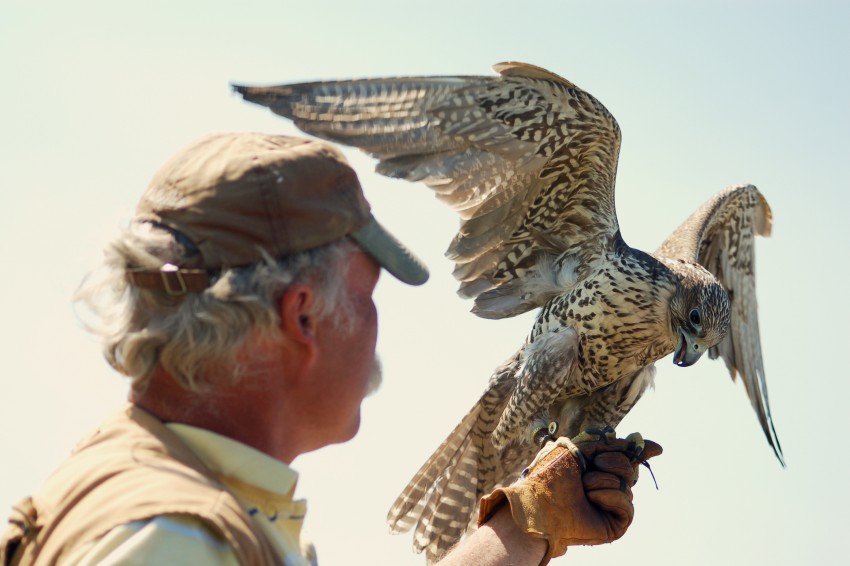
x,y
225,228
240,198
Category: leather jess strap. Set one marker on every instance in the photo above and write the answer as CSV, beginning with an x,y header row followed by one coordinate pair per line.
x,y
170,279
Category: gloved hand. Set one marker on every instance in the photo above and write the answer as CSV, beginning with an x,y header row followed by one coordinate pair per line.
x,y
574,494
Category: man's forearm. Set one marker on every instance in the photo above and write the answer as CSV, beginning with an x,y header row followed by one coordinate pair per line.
x,y
498,542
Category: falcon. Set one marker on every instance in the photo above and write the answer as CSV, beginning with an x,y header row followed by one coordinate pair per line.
x,y
528,161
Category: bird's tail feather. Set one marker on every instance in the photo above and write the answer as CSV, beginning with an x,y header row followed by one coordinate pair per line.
x,y
442,495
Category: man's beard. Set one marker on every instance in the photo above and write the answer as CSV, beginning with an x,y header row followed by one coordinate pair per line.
x,y
375,377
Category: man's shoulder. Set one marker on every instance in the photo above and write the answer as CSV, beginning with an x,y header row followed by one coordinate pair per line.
x,y
132,452
132,468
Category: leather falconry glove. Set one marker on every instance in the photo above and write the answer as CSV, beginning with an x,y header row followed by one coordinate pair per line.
x,y
574,494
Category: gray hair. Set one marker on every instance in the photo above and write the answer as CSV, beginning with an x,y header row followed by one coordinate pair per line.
x,y
141,329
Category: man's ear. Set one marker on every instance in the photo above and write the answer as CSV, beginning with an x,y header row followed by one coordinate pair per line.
x,y
297,320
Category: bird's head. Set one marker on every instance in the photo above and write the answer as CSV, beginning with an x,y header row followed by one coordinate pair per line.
x,y
700,313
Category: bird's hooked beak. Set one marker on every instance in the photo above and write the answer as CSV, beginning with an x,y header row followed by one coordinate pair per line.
x,y
688,350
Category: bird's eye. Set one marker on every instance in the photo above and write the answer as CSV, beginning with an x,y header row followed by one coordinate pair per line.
x,y
694,316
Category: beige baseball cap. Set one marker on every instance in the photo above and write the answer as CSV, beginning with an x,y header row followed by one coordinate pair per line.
x,y
237,195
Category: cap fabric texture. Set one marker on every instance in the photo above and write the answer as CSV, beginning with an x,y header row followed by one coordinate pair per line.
x,y
235,195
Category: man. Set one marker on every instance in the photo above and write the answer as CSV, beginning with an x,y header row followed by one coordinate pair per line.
x,y
239,303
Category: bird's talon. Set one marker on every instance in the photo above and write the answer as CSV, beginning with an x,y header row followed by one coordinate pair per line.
x,y
636,444
589,435
594,434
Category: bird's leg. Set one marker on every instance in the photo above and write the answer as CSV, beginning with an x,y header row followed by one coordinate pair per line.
x,y
594,434
543,433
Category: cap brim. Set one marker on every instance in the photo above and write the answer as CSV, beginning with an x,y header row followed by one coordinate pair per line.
x,y
390,253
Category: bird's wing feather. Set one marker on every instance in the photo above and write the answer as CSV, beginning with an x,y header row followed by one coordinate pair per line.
x,y
517,155
720,236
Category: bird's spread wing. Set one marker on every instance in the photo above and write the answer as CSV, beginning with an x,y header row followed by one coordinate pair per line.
x,y
526,158
720,236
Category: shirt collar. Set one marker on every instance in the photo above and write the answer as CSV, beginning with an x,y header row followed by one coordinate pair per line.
x,y
230,458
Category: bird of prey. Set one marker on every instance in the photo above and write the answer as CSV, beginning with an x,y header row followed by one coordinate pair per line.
x,y
528,161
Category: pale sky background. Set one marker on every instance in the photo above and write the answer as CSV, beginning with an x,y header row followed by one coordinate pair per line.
x,y
99,94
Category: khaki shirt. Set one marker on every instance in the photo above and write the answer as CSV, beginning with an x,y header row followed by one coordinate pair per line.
x,y
264,486
219,502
